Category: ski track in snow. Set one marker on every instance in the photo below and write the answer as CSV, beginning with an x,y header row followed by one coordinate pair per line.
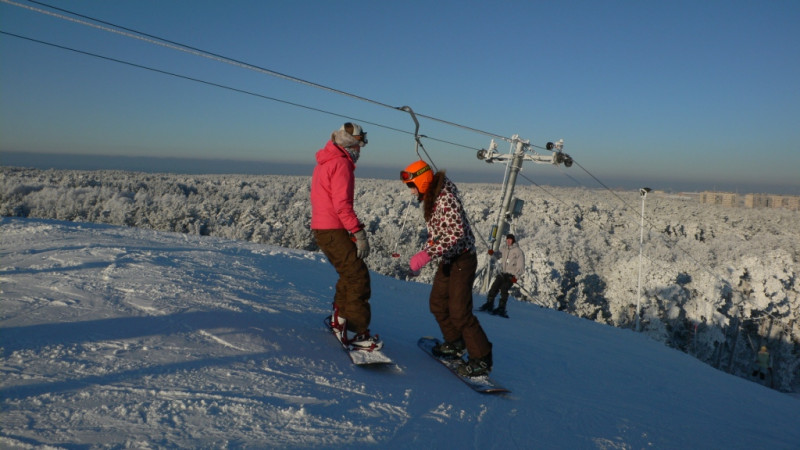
x,y
126,338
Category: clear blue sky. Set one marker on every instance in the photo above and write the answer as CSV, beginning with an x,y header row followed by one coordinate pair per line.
x,y
672,92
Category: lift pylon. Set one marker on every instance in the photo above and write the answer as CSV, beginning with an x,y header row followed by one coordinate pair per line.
x,y
521,150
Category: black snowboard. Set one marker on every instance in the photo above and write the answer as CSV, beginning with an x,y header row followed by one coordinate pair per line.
x,y
482,384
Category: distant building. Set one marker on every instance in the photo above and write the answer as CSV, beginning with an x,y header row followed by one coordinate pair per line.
x,y
728,199
755,201
790,202
732,200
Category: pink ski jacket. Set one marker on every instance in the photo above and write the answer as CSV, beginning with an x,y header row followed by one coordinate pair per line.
x,y
332,186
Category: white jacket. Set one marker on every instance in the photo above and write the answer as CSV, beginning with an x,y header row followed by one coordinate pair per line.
x,y
511,260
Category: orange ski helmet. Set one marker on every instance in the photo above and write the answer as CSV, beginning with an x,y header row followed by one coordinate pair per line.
x,y
418,174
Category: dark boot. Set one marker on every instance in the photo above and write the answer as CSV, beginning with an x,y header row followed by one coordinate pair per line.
x,y
488,306
501,308
449,350
476,367
500,312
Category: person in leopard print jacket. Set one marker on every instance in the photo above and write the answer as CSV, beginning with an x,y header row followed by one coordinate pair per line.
x,y
451,245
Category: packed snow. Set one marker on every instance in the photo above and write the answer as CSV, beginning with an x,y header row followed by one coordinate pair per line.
x,y
121,337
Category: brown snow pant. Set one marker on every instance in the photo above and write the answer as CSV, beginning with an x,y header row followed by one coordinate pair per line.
x,y
353,288
451,304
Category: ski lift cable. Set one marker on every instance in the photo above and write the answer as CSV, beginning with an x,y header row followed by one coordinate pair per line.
x,y
574,180
181,47
156,40
222,86
197,80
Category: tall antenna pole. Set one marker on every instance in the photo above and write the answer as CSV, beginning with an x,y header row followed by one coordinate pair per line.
x,y
643,192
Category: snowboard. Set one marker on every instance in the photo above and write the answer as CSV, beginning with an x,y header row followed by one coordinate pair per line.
x,y
482,384
491,313
360,357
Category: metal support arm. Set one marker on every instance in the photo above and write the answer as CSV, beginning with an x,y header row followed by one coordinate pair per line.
x,y
556,158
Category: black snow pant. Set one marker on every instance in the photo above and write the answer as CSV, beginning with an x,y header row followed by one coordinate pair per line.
x,y
502,283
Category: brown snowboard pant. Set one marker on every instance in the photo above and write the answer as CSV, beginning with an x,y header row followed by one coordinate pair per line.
x,y
451,304
353,288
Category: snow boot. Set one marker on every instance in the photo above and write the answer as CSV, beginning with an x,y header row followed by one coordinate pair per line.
x,y
449,350
488,306
364,341
476,367
501,309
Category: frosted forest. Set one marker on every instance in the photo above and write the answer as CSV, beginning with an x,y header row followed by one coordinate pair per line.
x,y
716,282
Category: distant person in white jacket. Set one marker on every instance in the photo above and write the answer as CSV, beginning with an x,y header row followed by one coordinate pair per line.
x,y
510,266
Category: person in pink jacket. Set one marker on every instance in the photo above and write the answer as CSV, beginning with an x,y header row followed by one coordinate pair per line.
x,y
341,235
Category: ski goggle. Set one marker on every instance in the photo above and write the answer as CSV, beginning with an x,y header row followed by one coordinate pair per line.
x,y
363,137
408,176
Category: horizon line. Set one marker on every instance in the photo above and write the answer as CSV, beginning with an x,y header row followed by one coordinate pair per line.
x,y
244,166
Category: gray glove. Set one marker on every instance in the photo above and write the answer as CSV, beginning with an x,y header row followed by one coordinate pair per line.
x,y
362,245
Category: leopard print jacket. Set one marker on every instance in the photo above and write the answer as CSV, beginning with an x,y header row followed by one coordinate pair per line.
x,y
449,231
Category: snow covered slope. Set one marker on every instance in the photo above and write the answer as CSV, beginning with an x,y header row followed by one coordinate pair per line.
x,y
716,282
124,337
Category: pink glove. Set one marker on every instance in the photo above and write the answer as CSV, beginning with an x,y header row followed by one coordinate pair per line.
x,y
419,261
